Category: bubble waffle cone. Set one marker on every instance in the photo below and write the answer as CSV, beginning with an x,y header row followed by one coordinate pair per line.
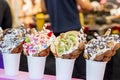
x,y
43,53
17,49
102,48
1,34
74,51
0,38
34,31
107,33
37,43
117,46
12,40
105,57
72,55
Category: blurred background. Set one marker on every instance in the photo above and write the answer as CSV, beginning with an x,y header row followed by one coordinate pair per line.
x,y
29,13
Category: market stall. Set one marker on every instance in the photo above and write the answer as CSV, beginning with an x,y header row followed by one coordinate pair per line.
x,y
98,26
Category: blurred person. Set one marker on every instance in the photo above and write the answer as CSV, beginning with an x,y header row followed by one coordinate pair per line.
x,y
28,10
5,15
64,16
5,20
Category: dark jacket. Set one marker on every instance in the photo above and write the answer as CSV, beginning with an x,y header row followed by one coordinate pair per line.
x,y
5,15
64,15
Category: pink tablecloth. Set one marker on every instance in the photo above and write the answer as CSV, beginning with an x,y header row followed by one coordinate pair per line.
x,y
24,76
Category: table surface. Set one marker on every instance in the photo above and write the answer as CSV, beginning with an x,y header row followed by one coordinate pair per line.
x,y
24,76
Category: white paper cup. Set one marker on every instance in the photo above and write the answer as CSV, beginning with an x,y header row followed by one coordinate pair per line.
x,y
95,70
11,63
36,66
64,68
